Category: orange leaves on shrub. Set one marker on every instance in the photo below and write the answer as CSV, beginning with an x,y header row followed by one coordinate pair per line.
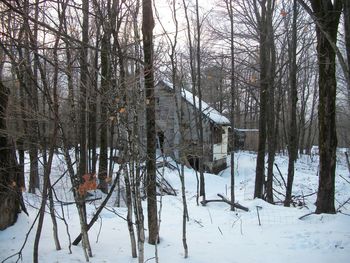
x,y
89,183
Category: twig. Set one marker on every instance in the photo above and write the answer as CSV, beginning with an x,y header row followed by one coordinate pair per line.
x,y
67,230
343,204
344,179
73,202
211,219
99,230
19,253
276,196
150,259
278,192
198,222
344,213
280,173
257,211
278,181
220,231
309,214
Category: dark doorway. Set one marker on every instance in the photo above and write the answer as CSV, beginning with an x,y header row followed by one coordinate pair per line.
x,y
193,161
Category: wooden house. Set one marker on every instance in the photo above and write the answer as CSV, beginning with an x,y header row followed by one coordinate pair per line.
x,y
169,120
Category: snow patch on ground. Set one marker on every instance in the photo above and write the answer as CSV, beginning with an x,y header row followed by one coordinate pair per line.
x,y
214,233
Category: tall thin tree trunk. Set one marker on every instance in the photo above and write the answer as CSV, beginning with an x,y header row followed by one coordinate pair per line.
x,y
31,82
229,8
83,162
264,87
136,170
271,136
347,42
147,30
200,115
93,105
193,84
83,89
105,82
293,141
129,214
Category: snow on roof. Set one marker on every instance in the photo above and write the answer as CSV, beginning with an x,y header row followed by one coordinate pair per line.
x,y
246,130
211,113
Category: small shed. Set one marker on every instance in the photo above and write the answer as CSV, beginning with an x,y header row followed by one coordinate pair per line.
x,y
215,128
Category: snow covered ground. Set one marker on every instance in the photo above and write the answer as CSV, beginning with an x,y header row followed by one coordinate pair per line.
x,y
214,233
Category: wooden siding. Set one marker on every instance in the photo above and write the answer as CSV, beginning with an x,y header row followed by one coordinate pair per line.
x,y
167,123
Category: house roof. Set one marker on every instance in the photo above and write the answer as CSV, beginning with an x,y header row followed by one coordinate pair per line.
x,y
211,113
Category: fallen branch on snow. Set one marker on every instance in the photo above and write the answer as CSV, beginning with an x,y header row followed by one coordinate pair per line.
x,y
225,200
309,214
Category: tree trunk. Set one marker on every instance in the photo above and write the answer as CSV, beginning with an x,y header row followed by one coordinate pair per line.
x,y
83,89
93,105
271,136
83,162
347,42
229,9
193,85
293,140
10,194
33,100
327,15
105,82
200,115
147,31
264,88
129,214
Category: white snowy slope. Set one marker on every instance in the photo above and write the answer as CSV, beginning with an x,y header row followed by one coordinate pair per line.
x,y
214,233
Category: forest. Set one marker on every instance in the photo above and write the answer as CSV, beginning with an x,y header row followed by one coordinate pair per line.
x,y
140,111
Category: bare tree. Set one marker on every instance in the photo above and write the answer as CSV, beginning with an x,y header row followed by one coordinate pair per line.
x,y
326,15
264,89
147,31
229,7
293,142
347,42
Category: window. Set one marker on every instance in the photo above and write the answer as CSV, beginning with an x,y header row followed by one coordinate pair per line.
x,y
217,135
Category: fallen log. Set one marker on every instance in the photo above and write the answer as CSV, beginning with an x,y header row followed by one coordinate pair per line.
x,y
225,200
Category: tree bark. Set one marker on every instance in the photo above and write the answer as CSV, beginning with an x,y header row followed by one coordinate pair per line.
x,y
347,43
327,15
293,140
260,162
83,89
200,115
105,83
271,65
10,194
229,9
147,31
